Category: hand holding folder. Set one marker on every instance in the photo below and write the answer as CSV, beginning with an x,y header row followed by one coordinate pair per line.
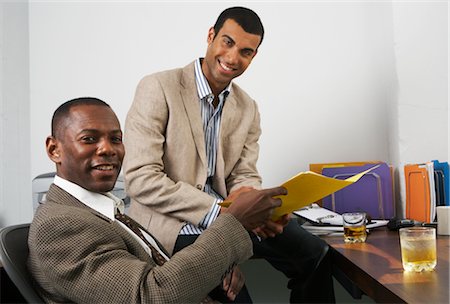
x,y
306,188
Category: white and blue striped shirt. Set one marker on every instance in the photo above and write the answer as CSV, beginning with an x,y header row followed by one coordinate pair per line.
x,y
211,126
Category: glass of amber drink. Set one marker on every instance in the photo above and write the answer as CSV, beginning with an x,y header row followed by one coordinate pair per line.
x,y
418,246
354,227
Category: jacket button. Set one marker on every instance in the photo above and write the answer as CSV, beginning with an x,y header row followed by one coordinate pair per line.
x,y
199,187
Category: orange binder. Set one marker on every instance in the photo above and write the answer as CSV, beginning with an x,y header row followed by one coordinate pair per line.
x,y
417,186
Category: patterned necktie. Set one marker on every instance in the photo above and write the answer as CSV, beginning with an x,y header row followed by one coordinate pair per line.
x,y
130,223
157,257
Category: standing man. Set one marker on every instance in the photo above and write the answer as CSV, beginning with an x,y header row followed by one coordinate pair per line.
x,y
192,140
82,252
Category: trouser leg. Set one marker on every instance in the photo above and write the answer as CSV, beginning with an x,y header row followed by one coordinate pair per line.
x,y
304,259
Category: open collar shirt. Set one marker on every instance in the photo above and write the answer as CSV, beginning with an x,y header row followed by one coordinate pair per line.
x,y
211,118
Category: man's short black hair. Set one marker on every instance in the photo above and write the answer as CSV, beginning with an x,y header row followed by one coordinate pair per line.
x,y
245,17
63,110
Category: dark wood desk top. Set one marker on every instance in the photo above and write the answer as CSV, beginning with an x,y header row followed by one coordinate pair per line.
x,y
376,268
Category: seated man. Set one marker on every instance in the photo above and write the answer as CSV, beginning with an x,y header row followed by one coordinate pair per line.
x,y
83,250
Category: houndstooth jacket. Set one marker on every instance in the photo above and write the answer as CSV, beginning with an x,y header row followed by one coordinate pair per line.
x,y
78,255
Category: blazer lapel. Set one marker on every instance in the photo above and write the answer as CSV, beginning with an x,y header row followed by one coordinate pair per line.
x,y
226,126
192,107
228,116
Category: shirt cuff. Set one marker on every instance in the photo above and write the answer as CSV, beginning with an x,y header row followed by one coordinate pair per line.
x,y
211,216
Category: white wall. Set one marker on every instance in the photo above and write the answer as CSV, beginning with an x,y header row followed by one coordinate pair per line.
x,y
15,181
420,125
422,94
333,79
320,76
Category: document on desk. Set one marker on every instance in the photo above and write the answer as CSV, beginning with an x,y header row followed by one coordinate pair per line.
x,y
306,188
339,230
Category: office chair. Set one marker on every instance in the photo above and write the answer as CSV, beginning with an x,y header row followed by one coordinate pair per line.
x,y
14,254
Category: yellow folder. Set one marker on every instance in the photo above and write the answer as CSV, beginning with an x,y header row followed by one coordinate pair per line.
x,y
306,188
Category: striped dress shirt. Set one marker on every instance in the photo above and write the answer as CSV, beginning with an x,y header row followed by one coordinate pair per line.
x,y
211,126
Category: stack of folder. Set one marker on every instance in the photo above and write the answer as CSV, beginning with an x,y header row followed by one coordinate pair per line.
x,y
373,194
426,186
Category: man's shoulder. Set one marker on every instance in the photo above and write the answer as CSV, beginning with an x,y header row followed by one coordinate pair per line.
x,y
56,211
169,74
56,221
241,95
59,205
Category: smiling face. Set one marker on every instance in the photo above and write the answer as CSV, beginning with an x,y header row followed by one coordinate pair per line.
x,y
88,148
229,53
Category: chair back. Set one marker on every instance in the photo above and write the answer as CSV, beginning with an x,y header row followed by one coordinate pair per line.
x,y
14,255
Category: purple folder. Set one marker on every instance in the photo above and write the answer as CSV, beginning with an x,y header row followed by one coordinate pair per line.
x,y
371,194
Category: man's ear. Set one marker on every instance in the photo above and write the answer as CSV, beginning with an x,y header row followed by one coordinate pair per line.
x,y
211,35
53,151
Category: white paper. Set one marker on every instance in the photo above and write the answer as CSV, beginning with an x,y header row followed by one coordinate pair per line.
x,y
319,215
327,230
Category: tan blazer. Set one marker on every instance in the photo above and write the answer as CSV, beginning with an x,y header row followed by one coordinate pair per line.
x,y
165,164
78,255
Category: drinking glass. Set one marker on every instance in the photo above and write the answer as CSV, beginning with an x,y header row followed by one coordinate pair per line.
x,y
418,247
354,227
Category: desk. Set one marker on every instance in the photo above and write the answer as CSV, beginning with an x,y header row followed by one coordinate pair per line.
x,y
375,267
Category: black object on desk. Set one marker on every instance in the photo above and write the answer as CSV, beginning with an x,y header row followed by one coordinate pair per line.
x,y
396,224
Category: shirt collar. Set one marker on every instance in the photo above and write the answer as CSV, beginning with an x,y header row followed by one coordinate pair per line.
x,y
203,88
104,203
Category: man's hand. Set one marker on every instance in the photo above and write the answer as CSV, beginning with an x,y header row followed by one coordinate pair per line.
x,y
272,228
233,195
254,207
233,282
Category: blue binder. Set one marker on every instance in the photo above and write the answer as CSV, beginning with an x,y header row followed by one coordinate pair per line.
x,y
442,183
372,194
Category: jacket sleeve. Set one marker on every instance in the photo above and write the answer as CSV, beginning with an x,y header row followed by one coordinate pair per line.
x,y
90,261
